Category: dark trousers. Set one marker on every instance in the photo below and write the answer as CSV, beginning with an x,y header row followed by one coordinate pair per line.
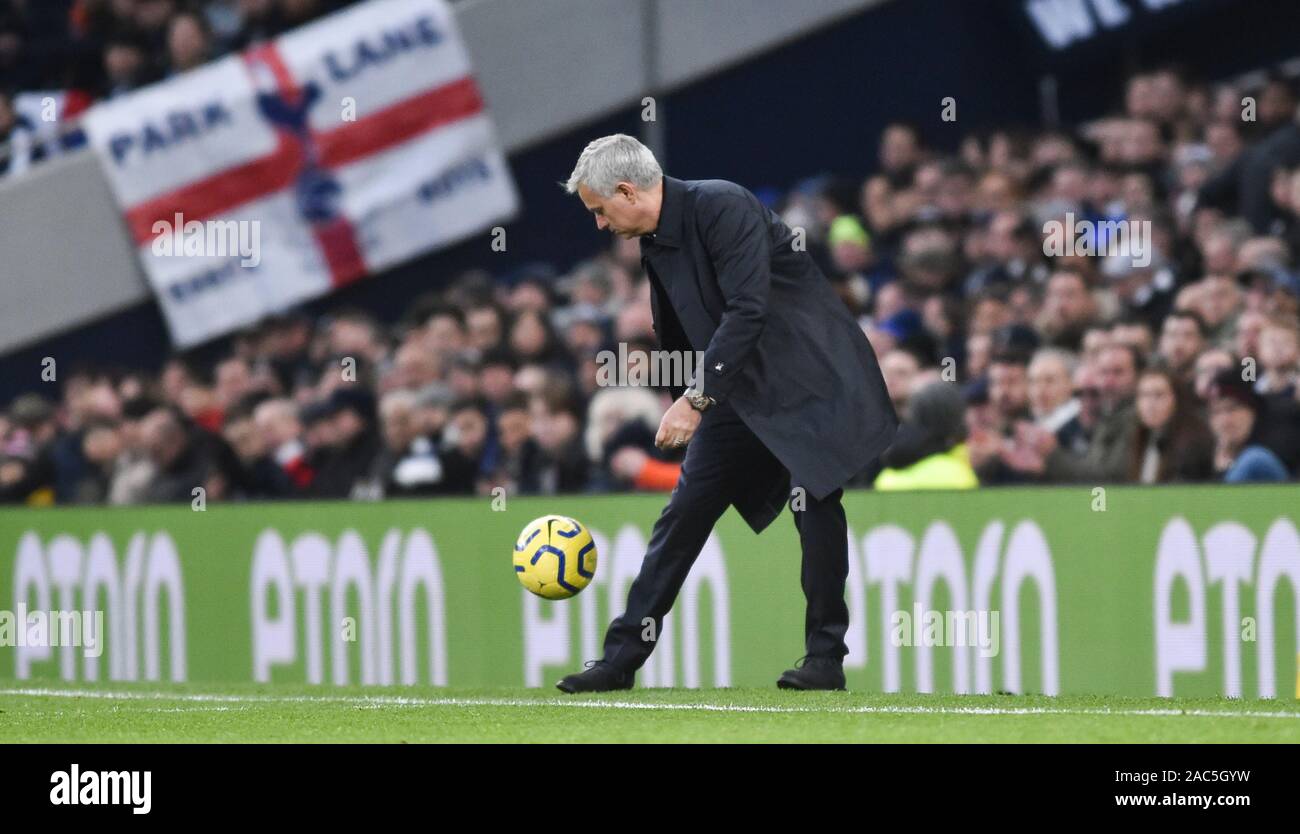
x,y
717,461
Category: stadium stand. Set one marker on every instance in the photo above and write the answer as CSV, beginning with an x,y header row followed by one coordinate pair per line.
x,y
1177,367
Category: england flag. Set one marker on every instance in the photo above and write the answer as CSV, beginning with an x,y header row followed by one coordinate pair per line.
x,y
277,175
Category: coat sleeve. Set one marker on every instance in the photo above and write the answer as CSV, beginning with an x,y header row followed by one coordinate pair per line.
x,y
735,234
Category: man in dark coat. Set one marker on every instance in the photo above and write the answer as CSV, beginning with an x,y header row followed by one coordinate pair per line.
x,y
786,392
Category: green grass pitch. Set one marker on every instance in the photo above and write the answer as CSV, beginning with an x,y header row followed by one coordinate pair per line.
x,y
49,712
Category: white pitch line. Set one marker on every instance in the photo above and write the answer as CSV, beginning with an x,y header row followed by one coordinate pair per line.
x,y
375,701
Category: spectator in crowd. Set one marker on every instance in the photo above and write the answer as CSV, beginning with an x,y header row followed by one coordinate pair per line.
x,y
1172,442
1107,456
1133,332
28,470
519,458
248,470
899,368
929,451
1051,397
1068,309
1235,418
1088,394
349,445
462,446
619,440
18,145
181,461
486,326
1008,398
278,423
1244,184
101,445
1208,365
189,42
1279,359
564,466
134,469
1181,340
233,381
409,463
126,63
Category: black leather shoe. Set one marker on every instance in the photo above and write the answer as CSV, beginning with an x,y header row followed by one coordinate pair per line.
x,y
814,673
599,677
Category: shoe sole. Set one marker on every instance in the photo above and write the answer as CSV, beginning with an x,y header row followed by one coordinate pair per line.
x,y
784,683
568,690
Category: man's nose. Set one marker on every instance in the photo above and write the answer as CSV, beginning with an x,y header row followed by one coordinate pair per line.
x,y
601,223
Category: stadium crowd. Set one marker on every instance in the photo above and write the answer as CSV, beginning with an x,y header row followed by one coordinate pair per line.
x,y
1007,364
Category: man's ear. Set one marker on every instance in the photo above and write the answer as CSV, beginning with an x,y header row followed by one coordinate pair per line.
x,y
627,191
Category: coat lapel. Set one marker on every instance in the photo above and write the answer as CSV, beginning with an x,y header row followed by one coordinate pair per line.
x,y
672,258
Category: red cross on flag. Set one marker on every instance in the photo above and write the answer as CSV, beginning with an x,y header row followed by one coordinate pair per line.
x,y
339,149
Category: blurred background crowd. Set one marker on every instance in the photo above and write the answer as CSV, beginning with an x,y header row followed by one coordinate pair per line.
x,y
1006,364
80,51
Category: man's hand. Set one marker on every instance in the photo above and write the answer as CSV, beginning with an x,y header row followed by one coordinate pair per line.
x,y
1023,459
679,424
1036,438
982,446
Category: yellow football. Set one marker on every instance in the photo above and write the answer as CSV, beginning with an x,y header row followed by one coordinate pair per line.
x,y
555,557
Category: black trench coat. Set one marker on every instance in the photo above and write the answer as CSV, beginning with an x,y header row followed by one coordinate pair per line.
x,y
777,342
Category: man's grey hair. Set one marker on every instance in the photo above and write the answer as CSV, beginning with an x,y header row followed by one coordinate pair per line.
x,y
1055,354
609,160
397,400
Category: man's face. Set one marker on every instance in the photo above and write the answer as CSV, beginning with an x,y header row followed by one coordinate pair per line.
x,y
1089,394
484,325
899,368
347,425
1008,388
470,429
1049,385
898,148
234,380
444,335
1231,421
102,444
1067,298
496,382
622,213
1133,334
164,439
243,437
514,427
1095,340
1279,348
1116,376
1180,341
1207,365
1221,300
398,422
